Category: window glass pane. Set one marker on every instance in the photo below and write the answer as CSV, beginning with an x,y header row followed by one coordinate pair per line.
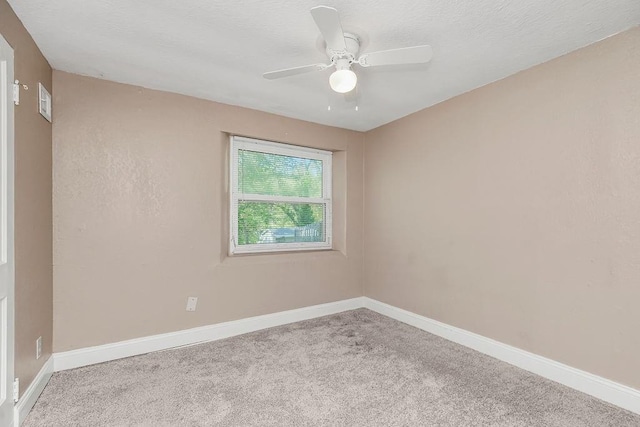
x,y
277,175
262,223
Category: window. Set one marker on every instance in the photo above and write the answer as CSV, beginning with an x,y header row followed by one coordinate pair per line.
x,y
280,197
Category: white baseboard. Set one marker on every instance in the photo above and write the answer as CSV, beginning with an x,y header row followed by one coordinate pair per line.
x,y
31,394
104,353
602,388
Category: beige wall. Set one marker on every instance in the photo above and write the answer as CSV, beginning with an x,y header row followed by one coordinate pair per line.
x,y
33,224
510,211
513,210
140,208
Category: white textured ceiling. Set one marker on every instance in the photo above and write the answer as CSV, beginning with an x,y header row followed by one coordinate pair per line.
x,y
218,50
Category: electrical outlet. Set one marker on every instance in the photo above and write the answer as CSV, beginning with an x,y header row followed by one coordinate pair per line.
x,y
38,347
191,303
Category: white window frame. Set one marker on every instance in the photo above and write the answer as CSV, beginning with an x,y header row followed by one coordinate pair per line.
x,y
260,146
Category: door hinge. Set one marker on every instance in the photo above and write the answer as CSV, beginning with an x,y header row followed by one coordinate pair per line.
x,y
16,93
16,390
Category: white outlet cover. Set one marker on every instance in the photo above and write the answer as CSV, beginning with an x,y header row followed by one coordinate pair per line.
x,y
191,303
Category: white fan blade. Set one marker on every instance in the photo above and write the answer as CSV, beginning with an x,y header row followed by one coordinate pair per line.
x,y
328,22
271,75
405,55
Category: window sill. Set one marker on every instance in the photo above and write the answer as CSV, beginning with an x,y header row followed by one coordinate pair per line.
x,y
281,257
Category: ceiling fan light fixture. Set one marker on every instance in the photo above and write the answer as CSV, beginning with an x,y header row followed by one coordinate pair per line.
x,y
343,51
343,80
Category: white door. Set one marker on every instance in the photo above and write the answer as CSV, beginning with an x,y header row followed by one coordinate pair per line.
x,y
7,263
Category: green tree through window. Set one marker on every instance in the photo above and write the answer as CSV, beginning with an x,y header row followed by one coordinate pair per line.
x,y
263,178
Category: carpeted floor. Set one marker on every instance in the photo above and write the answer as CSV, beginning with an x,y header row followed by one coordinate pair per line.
x,y
356,368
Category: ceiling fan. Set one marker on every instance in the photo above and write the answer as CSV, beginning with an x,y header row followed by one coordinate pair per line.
x,y
343,49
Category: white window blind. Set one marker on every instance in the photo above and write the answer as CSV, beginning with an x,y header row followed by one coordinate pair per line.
x,y
280,197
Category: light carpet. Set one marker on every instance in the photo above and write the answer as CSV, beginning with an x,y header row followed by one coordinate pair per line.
x,y
356,368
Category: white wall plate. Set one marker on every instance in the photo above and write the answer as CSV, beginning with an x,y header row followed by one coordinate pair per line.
x,y
44,103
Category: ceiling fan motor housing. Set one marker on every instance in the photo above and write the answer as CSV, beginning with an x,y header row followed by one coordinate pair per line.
x,y
353,47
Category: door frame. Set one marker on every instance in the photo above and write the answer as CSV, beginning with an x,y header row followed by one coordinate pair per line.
x,y
7,254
